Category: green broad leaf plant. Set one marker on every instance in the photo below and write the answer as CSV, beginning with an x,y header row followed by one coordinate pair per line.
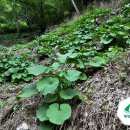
x,y
14,69
57,88
87,46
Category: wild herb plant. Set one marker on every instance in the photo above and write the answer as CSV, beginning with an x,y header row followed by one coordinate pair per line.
x,y
90,45
14,69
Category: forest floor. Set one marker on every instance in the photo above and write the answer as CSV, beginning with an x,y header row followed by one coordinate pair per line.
x,y
11,39
104,89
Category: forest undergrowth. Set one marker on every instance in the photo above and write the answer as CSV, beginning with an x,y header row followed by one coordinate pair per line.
x,y
72,77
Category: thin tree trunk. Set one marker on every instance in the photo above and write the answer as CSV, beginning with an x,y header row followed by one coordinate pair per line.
x,y
75,6
18,30
27,21
82,3
16,18
42,15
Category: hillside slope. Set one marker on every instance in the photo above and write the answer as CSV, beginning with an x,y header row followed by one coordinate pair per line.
x,y
105,89
83,61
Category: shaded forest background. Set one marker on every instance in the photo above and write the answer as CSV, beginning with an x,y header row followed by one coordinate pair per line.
x,y
19,18
28,15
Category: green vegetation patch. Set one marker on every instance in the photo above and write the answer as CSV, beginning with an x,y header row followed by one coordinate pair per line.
x,y
14,69
96,38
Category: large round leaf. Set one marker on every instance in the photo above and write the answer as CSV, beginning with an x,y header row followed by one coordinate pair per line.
x,y
80,64
41,112
97,61
83,76
72,55
28,91
63,58
55,65
51,98
106,40
57,113
70,93
37,70
72,75
48,85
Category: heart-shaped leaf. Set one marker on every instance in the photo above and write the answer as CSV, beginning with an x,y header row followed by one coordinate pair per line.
x,y
55,65
28,91
51,98
97,62
88,37
48,85
70,93
80,64
106,40
41,112
58,113
71,75
72,55
37,70
63,58
83,76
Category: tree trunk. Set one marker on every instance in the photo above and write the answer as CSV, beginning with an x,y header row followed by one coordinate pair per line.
x,y
27,21
82,3
75,6
18,30
42,16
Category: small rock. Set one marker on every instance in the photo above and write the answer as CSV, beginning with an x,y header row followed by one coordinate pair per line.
x,y
23,126
86,114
